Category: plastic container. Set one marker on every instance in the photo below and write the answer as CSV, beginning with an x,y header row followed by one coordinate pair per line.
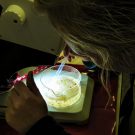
x,y
61,88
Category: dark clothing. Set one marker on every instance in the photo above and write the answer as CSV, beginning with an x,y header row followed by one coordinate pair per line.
x,y
126,113
126,109
47,126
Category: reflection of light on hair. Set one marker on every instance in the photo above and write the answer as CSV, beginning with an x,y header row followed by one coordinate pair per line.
x,y
113,128
31,0
113,98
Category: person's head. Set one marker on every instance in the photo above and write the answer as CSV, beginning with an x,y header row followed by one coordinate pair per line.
x,y
103,30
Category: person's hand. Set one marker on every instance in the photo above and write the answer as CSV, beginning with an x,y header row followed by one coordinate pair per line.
x,y
25,106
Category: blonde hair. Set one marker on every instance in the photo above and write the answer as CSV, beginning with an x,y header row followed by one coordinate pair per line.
x,y
103,28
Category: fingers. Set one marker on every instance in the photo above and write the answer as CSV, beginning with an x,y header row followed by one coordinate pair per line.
x,y
13,99
31,84
13,103
29,90
24,108
22,90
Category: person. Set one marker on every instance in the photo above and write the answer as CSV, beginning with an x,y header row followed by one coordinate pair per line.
x,y
100,31
26,107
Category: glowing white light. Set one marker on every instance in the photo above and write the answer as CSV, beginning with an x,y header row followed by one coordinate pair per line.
x,y
61,91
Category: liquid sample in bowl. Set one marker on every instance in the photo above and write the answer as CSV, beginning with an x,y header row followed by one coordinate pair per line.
x,y
62,91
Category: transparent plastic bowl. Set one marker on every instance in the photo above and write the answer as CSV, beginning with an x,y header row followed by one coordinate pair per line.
x,y
61,89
